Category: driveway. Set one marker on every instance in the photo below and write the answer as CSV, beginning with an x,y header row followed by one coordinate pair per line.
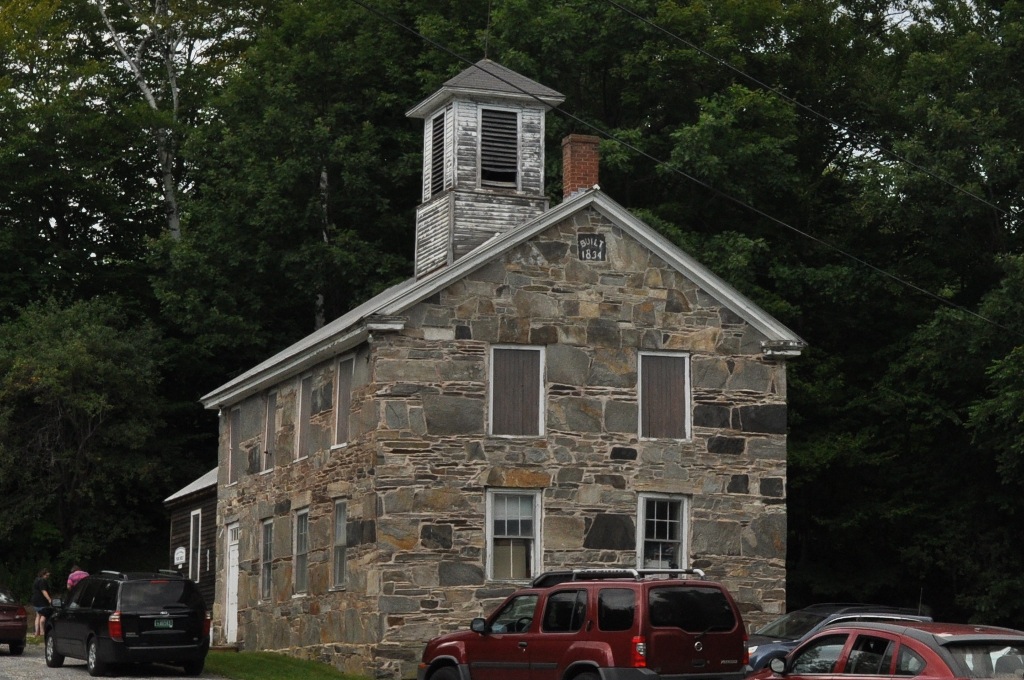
x,y
32,666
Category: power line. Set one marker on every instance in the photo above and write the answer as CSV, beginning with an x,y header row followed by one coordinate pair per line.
x,y
695,180
870,143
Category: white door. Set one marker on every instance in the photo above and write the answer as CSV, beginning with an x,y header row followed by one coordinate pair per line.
x,y
231,598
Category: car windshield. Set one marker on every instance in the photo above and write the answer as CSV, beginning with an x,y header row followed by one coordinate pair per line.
x,y
792,626
988,660
6,597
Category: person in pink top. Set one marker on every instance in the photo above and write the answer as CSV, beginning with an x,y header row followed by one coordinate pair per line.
x,y
75,576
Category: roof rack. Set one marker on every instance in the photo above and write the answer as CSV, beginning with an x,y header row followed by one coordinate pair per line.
x,y
553,578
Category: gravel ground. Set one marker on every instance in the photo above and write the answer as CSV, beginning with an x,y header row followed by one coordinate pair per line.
x,y
32,666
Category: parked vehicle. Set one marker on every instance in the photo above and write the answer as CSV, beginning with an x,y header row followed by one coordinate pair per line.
x,y
13,622
783,634
919,649
136,617
600,623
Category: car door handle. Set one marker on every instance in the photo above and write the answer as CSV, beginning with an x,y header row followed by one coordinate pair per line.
x,y
522,645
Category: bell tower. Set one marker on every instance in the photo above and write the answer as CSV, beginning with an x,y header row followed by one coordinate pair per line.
x,y
483,160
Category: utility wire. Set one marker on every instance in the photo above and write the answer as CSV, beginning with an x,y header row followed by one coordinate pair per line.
x,y
695,180
863,139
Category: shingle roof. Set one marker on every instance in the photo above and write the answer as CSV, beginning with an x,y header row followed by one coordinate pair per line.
x,y
483,78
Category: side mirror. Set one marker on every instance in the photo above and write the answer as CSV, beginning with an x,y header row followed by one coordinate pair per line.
x,y
777,665
478,625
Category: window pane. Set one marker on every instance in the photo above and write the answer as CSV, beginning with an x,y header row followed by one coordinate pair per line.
x,y
301,552
512,558
663,398
515,392
340,543
195,550
663,534
270,432
305,413
266,560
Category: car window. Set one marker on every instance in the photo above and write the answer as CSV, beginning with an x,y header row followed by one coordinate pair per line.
x,y
616,609
819,656
869,655
516,616
83,594
694,609
106,596
909,662
565,611
6,597
159,594
985,660
792,626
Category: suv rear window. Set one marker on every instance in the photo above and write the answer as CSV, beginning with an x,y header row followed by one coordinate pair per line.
x,y
616,608
694,610
137,595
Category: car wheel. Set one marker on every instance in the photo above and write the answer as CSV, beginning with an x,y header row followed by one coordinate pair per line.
x,y
92,660
445,673
53,659
17,648
194,667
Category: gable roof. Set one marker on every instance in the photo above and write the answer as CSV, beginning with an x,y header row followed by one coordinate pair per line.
x,y
209,480
381,312
487,78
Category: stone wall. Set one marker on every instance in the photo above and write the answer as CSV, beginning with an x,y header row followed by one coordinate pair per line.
x,y
418,465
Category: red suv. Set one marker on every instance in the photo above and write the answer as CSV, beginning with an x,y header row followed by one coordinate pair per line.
x,y
600,623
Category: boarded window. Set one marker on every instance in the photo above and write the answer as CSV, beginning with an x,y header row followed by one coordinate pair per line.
x,y
236,460
437,155
499,148
344,400
270,433
664,396
516,394
305,413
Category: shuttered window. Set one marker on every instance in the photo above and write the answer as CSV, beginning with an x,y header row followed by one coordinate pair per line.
x,y
344,400
516,391
664,396
437,155
499,148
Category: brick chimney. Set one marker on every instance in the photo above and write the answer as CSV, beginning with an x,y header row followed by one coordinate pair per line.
x,y
580,159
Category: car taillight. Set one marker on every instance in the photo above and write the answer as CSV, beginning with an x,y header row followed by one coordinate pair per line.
x,y
639,652
114,627
206,625
21,614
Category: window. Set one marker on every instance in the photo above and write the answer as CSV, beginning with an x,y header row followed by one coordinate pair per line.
x,y
266,559
499,149
195,545
235,461
662,536
565,612
269,433
513,527
340,543
516,616
664,396
819,657
302,551
344,400
909,662
437,154
869,655
517,391
305,413
616,609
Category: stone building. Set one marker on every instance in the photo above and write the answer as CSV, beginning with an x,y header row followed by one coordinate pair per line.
x,y
555,387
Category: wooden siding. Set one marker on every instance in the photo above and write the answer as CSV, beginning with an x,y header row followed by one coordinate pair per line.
x,y
181,522
433,234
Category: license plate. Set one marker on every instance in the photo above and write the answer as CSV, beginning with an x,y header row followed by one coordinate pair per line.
x,y
163,623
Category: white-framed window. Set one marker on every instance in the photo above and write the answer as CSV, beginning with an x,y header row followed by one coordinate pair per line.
x,y
269,434
340,544
301,545
516,406
195,546
499,148
513,534
664,395
303,439
343,399
663,531
266,559
236,456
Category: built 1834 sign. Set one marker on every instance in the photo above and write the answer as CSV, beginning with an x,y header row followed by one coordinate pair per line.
x,y
592,247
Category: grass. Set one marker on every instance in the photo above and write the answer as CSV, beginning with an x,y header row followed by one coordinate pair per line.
x,y
270,666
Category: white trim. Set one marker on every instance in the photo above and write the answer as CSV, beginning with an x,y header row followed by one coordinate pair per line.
x,y
335,583
301,512
687,416
266,566
338,415
684,525
541,394
195,544
538,521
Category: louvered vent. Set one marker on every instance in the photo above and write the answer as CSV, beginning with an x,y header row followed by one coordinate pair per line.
x,y
499,148
437,156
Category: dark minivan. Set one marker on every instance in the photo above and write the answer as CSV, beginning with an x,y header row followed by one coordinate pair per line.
x,y
114,618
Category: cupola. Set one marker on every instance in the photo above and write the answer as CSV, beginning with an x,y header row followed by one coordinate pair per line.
x,y
483,160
